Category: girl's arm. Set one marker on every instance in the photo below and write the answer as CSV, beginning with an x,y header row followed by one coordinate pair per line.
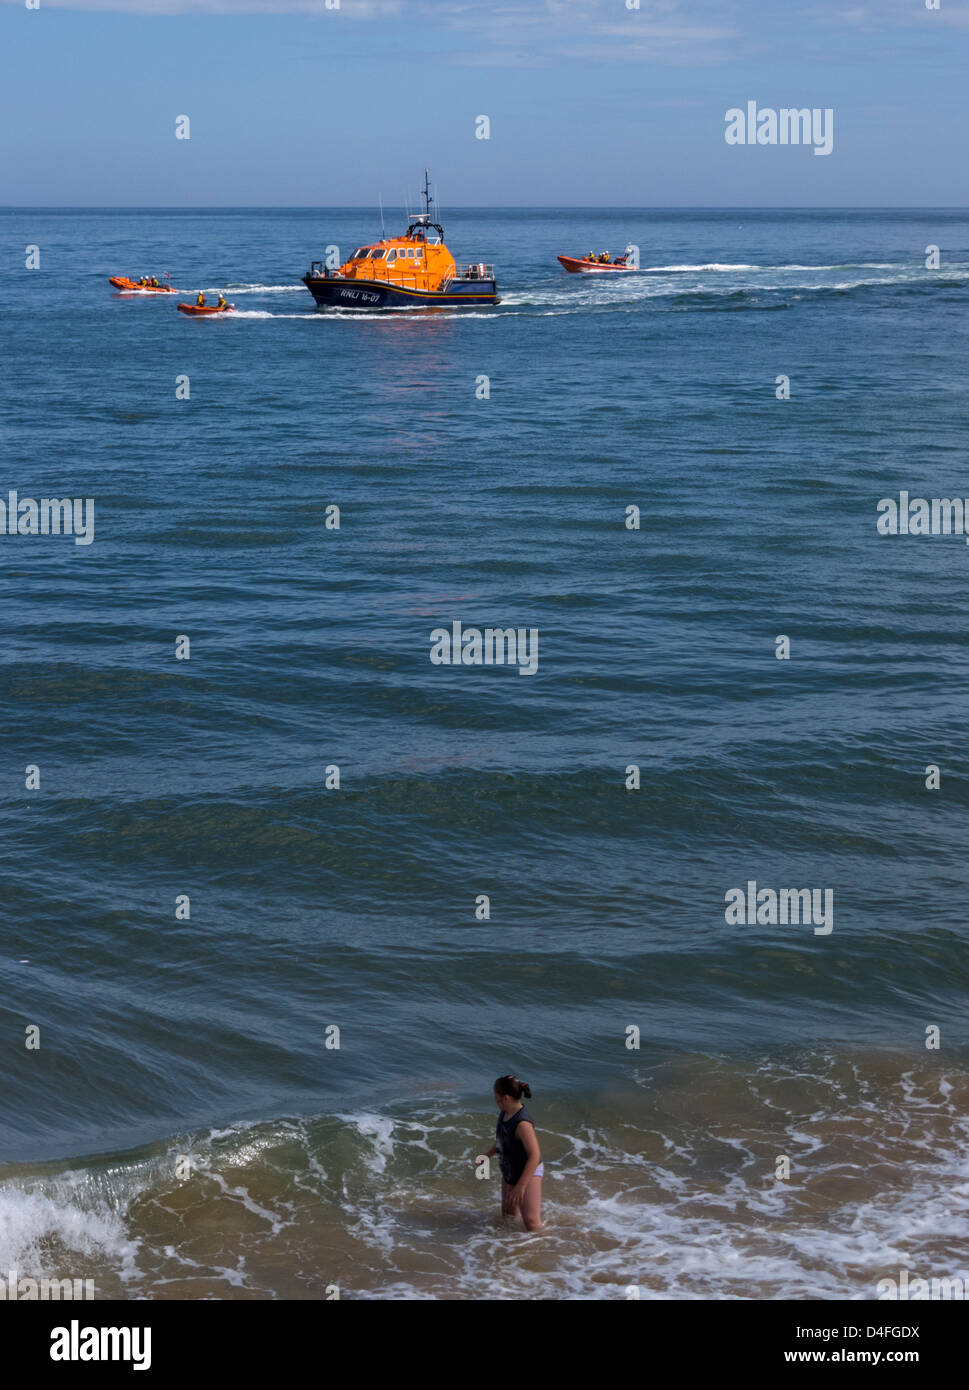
x,y
492,1151
526,1133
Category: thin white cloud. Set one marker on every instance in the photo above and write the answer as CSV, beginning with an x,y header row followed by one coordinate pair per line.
x,y
506,33
593,15
594,31
484,18
535,33
353,9
890,14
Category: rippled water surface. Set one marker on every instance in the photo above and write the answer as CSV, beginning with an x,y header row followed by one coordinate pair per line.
x,y
312,907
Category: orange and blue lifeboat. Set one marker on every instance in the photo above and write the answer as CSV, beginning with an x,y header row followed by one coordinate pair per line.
x,y
413,271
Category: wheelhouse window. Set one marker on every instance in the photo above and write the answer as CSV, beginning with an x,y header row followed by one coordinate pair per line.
x,y
377,253
361,254
391,256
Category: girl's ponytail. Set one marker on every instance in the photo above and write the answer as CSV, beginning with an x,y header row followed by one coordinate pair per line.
x,y
511,1086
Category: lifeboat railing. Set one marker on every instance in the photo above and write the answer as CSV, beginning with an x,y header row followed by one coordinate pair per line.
x,y
474,272
413,280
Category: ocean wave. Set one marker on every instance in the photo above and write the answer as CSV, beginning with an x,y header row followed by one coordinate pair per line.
x,y
671,1187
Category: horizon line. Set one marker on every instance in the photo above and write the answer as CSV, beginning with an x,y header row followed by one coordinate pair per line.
x,y
490,207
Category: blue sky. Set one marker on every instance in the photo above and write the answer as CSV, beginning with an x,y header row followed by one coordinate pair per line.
x,y
589,101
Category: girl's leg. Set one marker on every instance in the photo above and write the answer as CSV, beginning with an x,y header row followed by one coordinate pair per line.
x,y
506,1207
532,1205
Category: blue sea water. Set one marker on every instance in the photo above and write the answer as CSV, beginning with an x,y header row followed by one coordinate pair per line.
x,y
356,907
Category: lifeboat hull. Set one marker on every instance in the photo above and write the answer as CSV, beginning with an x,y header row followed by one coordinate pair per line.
x,y
577,266
334,292
201,310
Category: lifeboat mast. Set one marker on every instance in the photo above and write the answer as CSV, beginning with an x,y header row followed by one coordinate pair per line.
x,y
421,222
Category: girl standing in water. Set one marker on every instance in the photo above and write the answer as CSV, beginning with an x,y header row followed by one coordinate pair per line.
x,y
518,1154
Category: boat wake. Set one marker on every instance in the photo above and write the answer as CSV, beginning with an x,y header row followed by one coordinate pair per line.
x,y
246,287
740,265
678,287
713,284
308,315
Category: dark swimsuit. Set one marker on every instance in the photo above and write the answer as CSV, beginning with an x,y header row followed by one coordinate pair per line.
x,y
512,1156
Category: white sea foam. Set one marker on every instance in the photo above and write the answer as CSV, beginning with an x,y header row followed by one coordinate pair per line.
x,y
717,1233
378,1130
740,265
682,1208
710,265
37,1227
249,288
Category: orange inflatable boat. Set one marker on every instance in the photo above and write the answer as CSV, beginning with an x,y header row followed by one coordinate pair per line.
x,y
582,265
204,308
121,282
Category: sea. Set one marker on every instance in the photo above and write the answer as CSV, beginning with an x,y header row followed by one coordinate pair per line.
x,y
280,896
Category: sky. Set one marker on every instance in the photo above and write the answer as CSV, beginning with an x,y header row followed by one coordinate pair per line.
x,y
309,103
